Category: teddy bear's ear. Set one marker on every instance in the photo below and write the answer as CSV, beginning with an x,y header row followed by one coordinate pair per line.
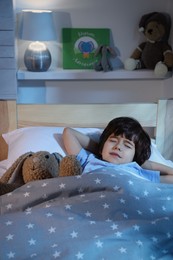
x,y
14,173
161,18
144,20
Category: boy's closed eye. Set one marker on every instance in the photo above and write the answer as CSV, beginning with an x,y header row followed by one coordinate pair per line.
x,y
126,142
129,144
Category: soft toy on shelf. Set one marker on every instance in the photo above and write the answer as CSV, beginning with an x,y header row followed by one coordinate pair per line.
x,y
155,53
37,166
104,63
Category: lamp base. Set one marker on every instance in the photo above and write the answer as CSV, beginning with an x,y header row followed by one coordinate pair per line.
x,y
37,60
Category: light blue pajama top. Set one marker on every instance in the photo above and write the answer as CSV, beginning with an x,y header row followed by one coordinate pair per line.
x,y
90,162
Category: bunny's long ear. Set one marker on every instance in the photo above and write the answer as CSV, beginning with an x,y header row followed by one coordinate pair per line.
x,y
111,51
14,173
98,50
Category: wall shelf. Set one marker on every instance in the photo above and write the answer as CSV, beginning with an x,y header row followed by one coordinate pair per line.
x,y
60,74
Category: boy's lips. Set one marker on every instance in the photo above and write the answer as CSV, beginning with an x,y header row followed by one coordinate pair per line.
x,y
115,155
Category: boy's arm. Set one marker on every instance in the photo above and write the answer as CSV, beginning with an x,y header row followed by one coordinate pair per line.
x,y
74,141
164,170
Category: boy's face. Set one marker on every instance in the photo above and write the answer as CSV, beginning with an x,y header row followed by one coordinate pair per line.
x,y
118,150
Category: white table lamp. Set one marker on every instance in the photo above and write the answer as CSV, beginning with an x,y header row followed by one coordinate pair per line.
x,y
37,26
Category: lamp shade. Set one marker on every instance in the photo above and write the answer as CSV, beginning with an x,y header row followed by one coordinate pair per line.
x,y
37,26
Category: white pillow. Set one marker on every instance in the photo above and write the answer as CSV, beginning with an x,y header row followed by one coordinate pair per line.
x,y
3,167
37,139
157,157
49,139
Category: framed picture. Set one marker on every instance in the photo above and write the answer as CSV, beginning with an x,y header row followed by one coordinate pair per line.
x,y
80,44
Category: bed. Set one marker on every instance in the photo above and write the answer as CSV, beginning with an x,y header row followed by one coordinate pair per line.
x,y
103,215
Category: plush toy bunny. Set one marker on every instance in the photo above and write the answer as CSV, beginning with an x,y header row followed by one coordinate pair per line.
x,y
37,166
104,62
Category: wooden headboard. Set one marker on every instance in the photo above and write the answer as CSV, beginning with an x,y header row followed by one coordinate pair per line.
x,y
8,122
155,115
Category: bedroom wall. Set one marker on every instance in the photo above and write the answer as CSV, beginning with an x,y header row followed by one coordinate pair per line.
x,y
122,17
7,51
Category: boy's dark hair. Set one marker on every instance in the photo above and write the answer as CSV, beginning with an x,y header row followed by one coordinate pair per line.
x,y
132,130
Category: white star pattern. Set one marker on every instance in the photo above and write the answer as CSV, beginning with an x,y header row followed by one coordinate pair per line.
x,y
92,222
68,206
57,254
146,193
118,234
10,237
154,239
74,234
78,176
9,223
90,216
123,250
105,206
62,186
136,227
11,255
137,198
32,242
130,182
52,230
79,255
30,225
108,220
26,194
164,208
47,205
122,201
168,235
116,188
99,243
44,196
28,211
139,243
9,206
54,245
33,255
125,215
81,190
114,226
44,184
102,196
97,181
151,210
70,218
49,214
139,212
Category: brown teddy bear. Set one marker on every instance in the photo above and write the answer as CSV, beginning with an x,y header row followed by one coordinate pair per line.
x,y
155,53
37,166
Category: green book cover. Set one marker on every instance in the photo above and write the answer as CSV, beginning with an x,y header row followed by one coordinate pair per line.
x,y
79,46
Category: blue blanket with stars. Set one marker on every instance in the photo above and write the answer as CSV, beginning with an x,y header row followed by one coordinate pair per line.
x,y
99,216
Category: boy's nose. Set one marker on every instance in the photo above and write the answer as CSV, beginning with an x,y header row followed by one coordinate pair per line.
x,y
117,146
